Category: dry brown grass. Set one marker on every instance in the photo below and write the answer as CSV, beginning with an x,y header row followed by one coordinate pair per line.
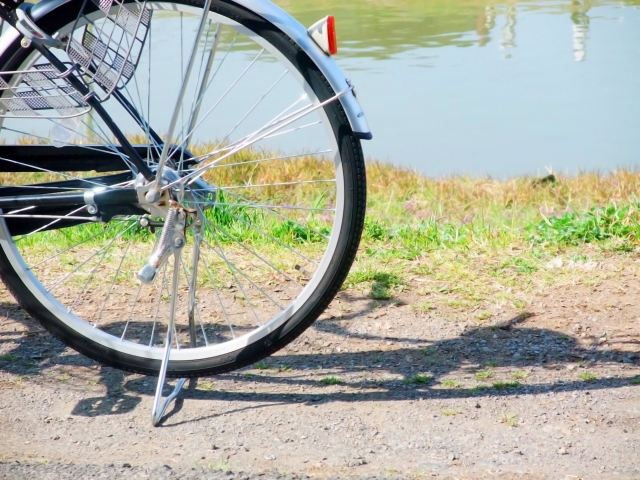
x,y
400,193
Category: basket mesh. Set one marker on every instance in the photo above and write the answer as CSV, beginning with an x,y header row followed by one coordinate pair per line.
x,y
110,47
105,47
39,92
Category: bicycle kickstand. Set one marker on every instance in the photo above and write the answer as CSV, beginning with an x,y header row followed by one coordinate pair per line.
x,y
172,240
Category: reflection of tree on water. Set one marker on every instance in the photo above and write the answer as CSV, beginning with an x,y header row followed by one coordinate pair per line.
x,y
580,21
509,29
484,24
382,28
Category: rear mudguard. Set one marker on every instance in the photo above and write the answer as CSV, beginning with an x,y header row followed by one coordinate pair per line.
x,y
281,19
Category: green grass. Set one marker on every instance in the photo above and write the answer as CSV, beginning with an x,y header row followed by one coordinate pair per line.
x,y
461,245
504,385
261,366
220,466
381,283
484,374
206,385
587,376
491,364
447,412
331,381
510,419
635,381
595,225
478,389
419,380
451,384
10,357
520,374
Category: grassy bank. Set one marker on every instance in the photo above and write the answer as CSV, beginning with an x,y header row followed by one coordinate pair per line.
x,y
461,243
476,245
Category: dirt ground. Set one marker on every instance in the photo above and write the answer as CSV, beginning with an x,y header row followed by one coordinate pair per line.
x,y
549,392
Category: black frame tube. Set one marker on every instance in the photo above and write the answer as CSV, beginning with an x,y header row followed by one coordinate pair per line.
x,y
111,197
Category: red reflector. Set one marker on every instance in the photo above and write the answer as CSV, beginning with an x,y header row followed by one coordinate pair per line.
x,y
331,33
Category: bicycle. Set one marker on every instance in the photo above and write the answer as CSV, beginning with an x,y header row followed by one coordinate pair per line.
x,y
167,216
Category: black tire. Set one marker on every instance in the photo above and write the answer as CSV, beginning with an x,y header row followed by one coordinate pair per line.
x,y
355,199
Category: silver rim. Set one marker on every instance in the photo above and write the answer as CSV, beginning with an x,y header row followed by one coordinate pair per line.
x,y
263,255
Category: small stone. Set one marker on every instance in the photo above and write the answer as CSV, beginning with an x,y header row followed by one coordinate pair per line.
x,y
477,405
126,465
213,446
270,457
453,456
562,451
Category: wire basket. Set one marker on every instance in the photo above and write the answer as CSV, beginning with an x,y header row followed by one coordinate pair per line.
x,y
112,41
105,52
40,93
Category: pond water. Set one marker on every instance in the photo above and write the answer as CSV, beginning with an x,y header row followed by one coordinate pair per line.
x,y
472,87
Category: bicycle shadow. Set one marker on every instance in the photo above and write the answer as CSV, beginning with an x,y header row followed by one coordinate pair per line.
x,y
38,351
474,352
514,345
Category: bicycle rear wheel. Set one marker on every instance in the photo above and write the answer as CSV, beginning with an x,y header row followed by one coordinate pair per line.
x,y
282,218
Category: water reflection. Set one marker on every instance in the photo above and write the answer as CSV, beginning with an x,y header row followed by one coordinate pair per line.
x,y
381,28
509,87
580,21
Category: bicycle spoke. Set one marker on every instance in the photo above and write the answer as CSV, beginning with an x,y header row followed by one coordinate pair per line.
x,y
224,310
133,306
88,259
90,278
235,240
281,184
262,160
197,101
255,105
22,237
292,130
155,318
231,270
115,277
277,214
197,173
220,99
76,245
192,297
271,206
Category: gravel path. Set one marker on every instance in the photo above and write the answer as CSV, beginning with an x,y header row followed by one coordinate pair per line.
x,y
548,393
